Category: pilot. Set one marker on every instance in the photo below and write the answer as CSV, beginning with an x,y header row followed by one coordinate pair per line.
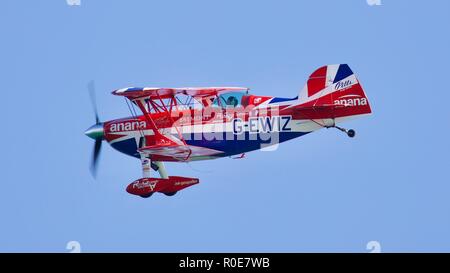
x,y
232,101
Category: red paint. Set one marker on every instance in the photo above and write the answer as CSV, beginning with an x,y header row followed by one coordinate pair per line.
x,y
145,186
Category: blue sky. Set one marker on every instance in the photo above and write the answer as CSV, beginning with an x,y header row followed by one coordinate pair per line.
x,y
322,192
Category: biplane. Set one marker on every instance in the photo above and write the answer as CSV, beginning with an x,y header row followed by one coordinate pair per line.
x,y
203,123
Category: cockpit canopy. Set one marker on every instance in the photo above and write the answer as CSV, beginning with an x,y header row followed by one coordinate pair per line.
x,y
230,100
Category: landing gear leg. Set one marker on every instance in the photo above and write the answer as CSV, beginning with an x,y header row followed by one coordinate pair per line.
x,y
350,132
146,166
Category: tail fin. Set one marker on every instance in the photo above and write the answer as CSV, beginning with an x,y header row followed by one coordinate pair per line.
x,y
332,91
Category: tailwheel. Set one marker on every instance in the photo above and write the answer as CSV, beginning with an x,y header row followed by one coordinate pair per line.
x,y
170,193
351,133
146,195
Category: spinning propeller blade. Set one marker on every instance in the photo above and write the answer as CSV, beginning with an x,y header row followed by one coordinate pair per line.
x,y
91,89
95,156
95,132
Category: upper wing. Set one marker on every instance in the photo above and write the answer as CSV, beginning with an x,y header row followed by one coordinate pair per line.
x,y
156,92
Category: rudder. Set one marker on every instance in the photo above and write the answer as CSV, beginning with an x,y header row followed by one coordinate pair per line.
x,y
333,91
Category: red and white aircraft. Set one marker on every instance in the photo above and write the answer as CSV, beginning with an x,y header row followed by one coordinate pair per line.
x,y
187,124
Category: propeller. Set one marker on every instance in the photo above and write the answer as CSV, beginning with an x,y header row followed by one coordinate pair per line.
x,y
95,132
95,157
91,89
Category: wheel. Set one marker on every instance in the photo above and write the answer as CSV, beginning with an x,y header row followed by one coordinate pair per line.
x,y
351,133
170,193
146,195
